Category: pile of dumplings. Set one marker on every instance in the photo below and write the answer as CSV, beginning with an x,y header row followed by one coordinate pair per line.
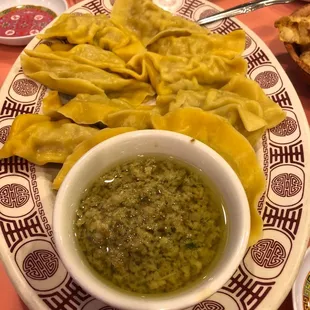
x,y
103,78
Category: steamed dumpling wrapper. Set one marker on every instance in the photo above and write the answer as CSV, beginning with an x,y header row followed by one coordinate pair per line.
x,y
39,140
82,53
89,55
213,99
97,57
57,46
53,45
50,105
56,74
139,118
228,45
91,109
73,78
273,113
168,74
133,95
119,40
146,20
87,109
97,30
21,123
84,147
239,118
244,114
207,71
241,101
217,133
171,32
77,29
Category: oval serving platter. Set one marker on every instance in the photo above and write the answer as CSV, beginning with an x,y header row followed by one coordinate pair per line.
x,y
269,267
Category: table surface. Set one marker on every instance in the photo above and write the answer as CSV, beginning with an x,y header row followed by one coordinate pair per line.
x,y
261,22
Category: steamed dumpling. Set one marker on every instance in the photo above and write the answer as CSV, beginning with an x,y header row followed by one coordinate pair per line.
x,y
169,74
40,140
50,105
217,133
86,54
91,109
228,45
244,87
140,118
244,114
97,30
77,29
73,78
240,101
146,20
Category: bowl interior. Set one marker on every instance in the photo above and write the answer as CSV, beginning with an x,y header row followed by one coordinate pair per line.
x,y
120,148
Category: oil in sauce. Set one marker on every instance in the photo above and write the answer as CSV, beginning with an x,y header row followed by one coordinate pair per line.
x,y
151,225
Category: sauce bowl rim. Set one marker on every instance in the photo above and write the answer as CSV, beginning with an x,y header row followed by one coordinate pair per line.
x,y
190,296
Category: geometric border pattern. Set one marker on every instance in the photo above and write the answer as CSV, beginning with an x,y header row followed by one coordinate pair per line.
x,y
244,289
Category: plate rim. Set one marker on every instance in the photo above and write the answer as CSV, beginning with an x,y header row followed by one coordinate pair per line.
x,y
30,297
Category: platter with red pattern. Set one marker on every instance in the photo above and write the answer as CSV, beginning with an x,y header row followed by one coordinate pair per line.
x,y
26,199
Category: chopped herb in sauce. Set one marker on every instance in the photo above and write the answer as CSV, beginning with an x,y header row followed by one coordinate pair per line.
x,y
150,225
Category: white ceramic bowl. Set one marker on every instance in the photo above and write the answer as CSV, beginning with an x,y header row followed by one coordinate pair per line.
x,y
57,6
119,148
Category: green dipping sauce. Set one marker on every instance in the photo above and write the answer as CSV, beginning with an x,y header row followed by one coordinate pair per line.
x,y
151,225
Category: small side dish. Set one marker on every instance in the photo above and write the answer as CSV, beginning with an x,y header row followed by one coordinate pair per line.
x,y
24,20
20,21
152,227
